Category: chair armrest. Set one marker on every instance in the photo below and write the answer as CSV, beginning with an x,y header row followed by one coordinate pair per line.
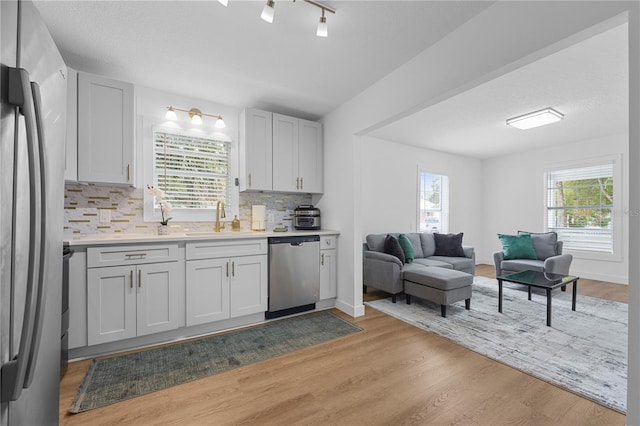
x,y
498,257
558,264
469,252
376,255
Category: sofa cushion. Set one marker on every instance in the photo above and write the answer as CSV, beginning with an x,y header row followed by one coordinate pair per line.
x,y
375,242
431,261
522,265
544,243
407,248
456,262
392,247
517,246
414,237
428,244
448,245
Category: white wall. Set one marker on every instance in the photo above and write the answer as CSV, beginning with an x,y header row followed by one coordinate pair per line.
x,y
390,188
513,200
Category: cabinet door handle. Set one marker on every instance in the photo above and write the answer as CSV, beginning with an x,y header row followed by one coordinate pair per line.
x,y
131,279
249,180
139,278
233,269
128,172
322,259
301,183
227,268
298,183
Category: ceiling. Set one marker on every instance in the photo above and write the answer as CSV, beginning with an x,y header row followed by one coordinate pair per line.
x,y
587,82
228,55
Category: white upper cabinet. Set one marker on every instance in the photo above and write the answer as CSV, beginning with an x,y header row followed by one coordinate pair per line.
x,y
310,156
285,153
105,130
256,150
297,155
280,153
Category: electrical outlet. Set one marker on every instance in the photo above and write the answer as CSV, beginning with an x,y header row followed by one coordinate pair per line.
x,y
271,217
105,216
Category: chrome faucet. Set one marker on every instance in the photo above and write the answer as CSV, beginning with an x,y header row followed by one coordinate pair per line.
x,y
217,227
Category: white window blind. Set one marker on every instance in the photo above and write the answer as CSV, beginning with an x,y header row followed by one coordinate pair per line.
x,y
580,205
193,171
433,203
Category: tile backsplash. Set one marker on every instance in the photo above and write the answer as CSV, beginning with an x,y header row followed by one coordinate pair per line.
x,y
83,204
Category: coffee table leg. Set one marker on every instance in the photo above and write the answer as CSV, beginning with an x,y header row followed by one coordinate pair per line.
x,y
549,307
575,291
500,296
529,291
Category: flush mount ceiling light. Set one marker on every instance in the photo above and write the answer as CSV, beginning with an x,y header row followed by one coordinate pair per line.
x,y
195,115
535,119
224,2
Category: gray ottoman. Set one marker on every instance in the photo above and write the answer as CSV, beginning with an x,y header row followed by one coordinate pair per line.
x,y
439,285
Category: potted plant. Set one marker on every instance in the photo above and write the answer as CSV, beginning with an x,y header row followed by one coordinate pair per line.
x,y
165,208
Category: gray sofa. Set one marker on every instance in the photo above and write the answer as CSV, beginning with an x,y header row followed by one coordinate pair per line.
x,y
386,272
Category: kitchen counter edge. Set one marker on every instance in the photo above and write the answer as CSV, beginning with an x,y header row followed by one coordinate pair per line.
x,y
93,240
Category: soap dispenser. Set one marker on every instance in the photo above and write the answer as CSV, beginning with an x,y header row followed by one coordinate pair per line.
x,y
235,223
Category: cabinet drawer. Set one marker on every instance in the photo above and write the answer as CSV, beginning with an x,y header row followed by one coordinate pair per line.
x,y
327,242
130,255
226,248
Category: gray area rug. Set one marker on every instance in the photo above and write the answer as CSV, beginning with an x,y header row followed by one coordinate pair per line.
x,y
583,351
123,377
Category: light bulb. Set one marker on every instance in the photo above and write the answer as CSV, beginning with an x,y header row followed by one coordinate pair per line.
x,y
220,123
195,115
267,12
171,114
196,119
322,31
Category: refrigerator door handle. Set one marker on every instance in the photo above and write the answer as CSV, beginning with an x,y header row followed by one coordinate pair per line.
x,y
41,291
14,371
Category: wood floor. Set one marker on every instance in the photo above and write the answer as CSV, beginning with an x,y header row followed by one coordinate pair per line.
x,y
390,373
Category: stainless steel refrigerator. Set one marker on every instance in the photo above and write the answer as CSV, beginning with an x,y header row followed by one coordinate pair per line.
x,y
32,144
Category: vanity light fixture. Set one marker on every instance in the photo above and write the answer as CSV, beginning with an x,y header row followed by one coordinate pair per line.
x,y
535,119
195,115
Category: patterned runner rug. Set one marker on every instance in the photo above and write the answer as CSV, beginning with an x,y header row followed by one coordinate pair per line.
x,y
583,351
123,377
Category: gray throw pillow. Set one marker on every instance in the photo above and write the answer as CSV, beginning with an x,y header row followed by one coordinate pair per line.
x,y
544,243
449,245
392,247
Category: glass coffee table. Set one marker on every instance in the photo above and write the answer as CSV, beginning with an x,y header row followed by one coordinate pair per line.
x,y
545,280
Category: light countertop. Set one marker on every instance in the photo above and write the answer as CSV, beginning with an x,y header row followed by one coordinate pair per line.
x,y
108,239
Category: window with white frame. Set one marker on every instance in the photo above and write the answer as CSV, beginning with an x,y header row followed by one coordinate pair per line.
x,y
193,171
581,202
433,203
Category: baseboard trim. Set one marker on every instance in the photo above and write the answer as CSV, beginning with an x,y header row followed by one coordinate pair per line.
x,y
354,311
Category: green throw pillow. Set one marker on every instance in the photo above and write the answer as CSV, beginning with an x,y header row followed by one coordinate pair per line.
x,y
407,248
517,246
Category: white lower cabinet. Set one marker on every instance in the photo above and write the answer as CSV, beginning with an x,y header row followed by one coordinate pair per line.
x,y
219,288
138,295
328,268
130,301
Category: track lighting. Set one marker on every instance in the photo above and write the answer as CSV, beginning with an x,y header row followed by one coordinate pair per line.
x,y
195,115
267,12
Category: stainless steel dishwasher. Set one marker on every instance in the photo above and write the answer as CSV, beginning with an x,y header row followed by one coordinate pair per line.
x,y
294,274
